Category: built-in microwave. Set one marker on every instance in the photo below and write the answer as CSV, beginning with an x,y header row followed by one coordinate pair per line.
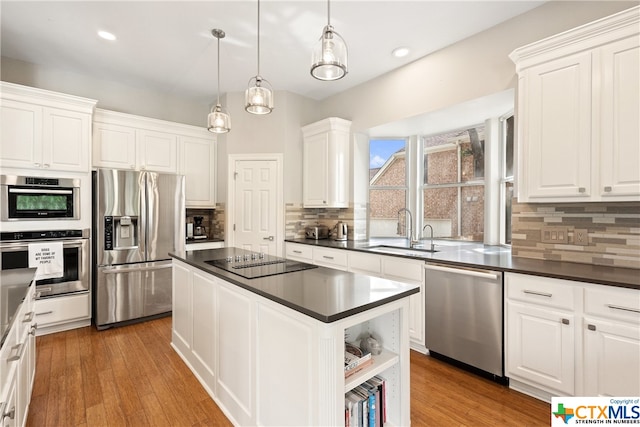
x,y
35,197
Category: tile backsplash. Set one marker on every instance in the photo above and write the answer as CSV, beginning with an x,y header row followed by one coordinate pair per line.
x,y
298,217
613,232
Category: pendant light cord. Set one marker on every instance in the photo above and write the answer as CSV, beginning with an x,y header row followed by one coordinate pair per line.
x,y
258,38
328,13
218,102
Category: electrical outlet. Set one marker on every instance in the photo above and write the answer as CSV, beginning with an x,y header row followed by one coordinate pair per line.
x,y
581,237
554,235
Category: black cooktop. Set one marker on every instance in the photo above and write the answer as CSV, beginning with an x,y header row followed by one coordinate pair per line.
x,y
252,265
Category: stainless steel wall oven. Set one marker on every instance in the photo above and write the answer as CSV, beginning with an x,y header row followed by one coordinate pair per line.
x,y
34,197
14,253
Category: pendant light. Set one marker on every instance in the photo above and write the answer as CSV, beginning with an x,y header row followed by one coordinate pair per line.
x,y
329,59
218,120
258,99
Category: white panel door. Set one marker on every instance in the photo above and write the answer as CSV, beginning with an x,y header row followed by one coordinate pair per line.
x,y
620,119
256,214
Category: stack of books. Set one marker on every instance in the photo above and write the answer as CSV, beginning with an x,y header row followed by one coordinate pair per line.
x,y
365,405
355,359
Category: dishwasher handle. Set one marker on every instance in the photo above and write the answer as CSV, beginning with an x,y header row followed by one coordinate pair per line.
x,y
485,274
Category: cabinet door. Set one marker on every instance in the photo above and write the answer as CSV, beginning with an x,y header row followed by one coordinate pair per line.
x,y
66,139
555,118
611,358
114,146
315,182
540,346
204,326
198,165
182,314
157,151
620,120
20,135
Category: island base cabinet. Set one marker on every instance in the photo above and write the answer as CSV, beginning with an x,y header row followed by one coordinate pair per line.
x,y
274,366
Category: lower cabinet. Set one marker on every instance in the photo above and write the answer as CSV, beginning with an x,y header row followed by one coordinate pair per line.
x,y
266,364
567,338
62,313
17,360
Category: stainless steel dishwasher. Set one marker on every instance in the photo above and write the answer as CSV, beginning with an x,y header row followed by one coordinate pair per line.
x,y
464,317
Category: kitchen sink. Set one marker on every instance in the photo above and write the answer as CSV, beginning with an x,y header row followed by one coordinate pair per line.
x,y
396,250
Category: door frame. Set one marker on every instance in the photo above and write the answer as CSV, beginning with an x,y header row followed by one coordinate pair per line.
x,y
278,158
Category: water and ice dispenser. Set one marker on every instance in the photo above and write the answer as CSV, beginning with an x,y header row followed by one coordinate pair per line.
x,y
120,232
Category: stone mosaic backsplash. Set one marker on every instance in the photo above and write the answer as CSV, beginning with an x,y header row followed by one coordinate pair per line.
x,y
612,232
297,218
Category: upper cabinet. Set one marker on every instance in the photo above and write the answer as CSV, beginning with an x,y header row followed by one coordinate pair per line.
x,y
44,130
125,141
579,113
325,166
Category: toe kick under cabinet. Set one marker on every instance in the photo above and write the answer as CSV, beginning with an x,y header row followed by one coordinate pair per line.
x,y
568,338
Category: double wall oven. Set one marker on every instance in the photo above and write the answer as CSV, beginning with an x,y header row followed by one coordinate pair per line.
x,y
76,252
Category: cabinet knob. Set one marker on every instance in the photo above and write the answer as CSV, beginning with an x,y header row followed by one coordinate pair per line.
x,y
591,327
607,189
46,165
565,321
582,190
11,414
36,165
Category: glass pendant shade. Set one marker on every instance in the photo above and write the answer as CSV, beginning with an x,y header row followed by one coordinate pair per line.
x,y
329,59
258,98
218,121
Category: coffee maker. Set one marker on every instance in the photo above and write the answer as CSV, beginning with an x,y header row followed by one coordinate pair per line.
x,y
199,230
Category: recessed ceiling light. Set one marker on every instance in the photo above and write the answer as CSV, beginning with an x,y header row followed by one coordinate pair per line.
x,y
400,52
106,35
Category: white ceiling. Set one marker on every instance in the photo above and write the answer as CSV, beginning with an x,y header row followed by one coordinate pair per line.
x,y
167,45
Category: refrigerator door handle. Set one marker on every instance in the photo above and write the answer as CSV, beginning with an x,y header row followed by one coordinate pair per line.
x,y
115,270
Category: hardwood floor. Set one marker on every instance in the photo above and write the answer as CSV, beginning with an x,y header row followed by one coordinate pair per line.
x,y
131,376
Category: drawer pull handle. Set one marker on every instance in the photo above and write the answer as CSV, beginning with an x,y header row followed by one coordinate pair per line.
x,y
541,294
16,347
327,257
607,189
591,327
565,321
582,190
44,312
297,252
617,307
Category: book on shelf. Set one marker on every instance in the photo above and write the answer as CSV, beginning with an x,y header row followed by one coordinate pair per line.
x,y
355,359
365,404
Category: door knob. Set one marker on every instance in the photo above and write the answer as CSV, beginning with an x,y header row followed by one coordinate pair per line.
x,y
270,238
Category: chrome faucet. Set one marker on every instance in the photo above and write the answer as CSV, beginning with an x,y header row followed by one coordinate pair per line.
x,y
412,241
433,247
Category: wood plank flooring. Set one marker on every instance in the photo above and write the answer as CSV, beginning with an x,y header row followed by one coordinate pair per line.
x,y
130,376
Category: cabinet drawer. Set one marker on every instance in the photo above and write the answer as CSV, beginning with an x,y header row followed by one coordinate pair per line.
x,y
613,303
542,290
334,258
365,263
299,251
62,309
403,270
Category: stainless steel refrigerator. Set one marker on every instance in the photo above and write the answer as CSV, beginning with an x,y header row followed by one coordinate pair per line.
x,y
138,219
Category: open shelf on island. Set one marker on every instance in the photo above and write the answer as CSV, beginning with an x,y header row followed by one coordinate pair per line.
x,y
381,362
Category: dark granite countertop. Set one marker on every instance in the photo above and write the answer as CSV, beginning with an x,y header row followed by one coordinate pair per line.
x,y
14,285
322,293
477,255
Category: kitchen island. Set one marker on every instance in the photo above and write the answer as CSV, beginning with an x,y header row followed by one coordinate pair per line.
x,y
270,350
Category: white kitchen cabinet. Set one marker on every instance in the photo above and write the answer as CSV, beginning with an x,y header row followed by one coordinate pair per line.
x,y
611,328
332,258
579,113
571,338
63,312
125,141
44,130
325,164
299,252
198,165
251,339
198,246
